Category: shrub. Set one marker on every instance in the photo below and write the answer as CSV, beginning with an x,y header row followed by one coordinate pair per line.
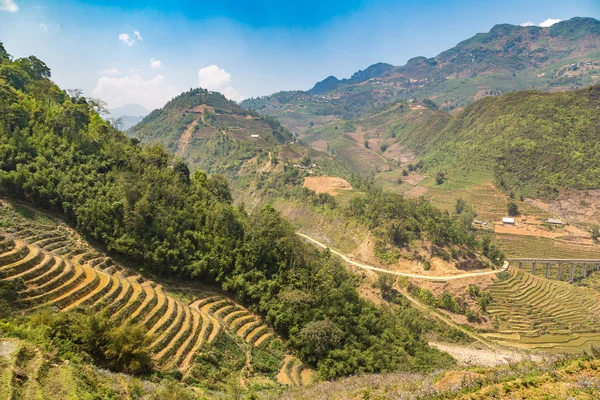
x,y
513,209
473,291
440,178
484,301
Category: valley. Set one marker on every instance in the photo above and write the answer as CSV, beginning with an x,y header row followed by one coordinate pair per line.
x,y
424,231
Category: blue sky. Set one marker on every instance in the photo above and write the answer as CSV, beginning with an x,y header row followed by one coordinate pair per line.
x,y
244,48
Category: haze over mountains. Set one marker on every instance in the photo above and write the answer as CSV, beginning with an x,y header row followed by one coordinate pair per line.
x,y
128,115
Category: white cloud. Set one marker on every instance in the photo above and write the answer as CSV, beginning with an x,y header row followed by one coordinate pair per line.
x,y
9,5
109,72
155,64
218,80
128,40
124,37
213,77
232,94
49,26
134,89
549,22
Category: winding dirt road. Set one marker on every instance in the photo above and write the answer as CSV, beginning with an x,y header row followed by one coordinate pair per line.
x,y
439,278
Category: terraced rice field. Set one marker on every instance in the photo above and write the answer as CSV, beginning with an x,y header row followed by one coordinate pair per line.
x,y
60,271
517,246
543,314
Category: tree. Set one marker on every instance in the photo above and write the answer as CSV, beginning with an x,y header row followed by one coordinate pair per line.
x,y
366,143
35,67
127,349
512,208
14,75
4,56
440,178
460,206
595,232
321,336
484,301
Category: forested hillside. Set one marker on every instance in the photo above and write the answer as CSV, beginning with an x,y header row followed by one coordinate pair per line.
x,y
58,154
210,132
533,142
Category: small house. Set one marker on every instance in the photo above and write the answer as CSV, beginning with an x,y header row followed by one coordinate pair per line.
x,y
508,221
555,221
255,136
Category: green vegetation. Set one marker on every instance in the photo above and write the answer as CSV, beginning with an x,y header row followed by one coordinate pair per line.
x,y
79,336
210,132
58,154
512,209
533,142
397,221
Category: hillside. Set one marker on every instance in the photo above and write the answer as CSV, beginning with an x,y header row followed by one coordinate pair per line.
x,y
533,142
210,132
566,378
141,205
507,58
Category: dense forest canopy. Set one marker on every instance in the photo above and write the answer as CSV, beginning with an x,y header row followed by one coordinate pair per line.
x,y
58,153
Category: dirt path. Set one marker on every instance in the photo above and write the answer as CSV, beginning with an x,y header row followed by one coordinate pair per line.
x,y
186,137
439,278
492,354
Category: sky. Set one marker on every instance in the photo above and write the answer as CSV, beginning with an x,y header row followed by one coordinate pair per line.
x,y
148,51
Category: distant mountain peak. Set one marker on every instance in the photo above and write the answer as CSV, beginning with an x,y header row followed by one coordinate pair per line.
x,y
325,85
129,110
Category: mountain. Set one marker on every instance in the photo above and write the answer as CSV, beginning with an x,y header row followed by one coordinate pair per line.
x,y
210,132
532,141
127,116
332,82
135,110
507,58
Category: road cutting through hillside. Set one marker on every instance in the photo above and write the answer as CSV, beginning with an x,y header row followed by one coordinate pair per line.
x,y
439,278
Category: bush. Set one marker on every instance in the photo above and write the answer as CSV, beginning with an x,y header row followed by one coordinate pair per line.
x,y
484,301
512,208
440,178
473,291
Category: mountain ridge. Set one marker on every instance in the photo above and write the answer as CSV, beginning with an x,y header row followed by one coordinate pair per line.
x,y
507,58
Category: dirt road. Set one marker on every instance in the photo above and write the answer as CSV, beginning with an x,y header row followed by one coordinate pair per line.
x,y
439,278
